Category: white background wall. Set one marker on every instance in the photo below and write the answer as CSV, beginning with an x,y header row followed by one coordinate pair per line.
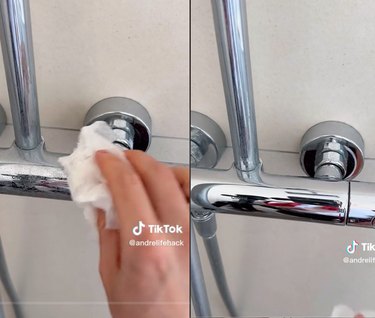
x,y
312,61
85,51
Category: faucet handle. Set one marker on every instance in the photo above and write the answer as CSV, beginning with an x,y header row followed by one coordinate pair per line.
x,y
207,141
332,151
130,121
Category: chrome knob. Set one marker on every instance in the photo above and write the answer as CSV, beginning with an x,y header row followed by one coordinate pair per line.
x,y
207,141
129,120
332,151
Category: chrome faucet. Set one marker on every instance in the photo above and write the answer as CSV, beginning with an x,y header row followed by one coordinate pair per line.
x,y
332,154
244,188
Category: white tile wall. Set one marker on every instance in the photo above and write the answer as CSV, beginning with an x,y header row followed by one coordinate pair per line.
x,y
312,61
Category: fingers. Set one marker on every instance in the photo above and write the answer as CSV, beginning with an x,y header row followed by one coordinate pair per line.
x,y
109,245
182,176
129,196
162,187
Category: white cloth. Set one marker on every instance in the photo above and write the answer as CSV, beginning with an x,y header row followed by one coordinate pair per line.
x,y
345,311
87,186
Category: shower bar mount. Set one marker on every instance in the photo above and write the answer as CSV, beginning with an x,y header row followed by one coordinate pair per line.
x,y
245,189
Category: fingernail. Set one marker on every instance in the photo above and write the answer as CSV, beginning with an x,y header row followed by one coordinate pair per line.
x,y
100,219
102,151
101,155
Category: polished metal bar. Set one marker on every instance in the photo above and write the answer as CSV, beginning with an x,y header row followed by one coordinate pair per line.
x,y
34,181
362,204
37,172
33,173
199,296
280,197
234,54
17,48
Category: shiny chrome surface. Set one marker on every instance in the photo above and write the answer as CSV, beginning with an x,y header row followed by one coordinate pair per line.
x,y
261,194
292,198
326,154
283,197
233,46
362,204
16,42
119,112
124,132
25,168
204,222
332,150
331,160
34,173
37,173
340,146
207,141
329,172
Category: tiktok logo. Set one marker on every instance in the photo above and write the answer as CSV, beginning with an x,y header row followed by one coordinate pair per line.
x,y
157,228
137,230
352,247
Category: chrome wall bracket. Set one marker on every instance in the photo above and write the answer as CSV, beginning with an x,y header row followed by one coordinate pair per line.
x,y
129,120
207,141
332,151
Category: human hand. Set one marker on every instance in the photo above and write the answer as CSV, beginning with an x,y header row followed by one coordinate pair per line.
x,y
144,281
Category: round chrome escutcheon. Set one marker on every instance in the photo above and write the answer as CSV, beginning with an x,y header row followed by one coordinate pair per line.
x,y
340,132
126,114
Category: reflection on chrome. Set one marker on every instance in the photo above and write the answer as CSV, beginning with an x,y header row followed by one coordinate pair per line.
x,y
283,197
258,199
34,173
362,204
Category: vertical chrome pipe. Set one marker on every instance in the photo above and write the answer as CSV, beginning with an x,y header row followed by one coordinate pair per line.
x,y
233,46
16,42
